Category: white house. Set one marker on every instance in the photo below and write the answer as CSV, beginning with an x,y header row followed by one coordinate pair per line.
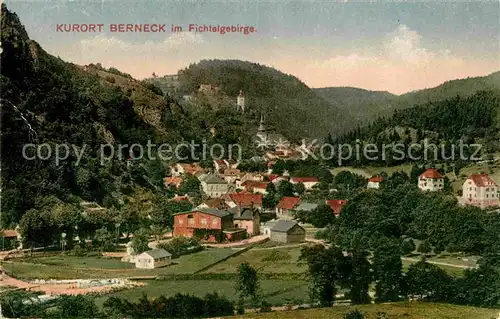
x,y
430,180
308,182
374,182
153,259
480,190
214,186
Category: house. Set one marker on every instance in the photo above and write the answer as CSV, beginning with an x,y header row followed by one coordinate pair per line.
x,y
231,163
230,175
11,239
430,180
246,218
214,186
287,231
255,177
179,169
208,224
246,200
220,165
481,191
286,206
308,182
172,181
374,182
218,203
180,198
265,229
153,259
256,187
276,179
336,205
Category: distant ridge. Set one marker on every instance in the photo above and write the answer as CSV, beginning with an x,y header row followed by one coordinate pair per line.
x,y
365,105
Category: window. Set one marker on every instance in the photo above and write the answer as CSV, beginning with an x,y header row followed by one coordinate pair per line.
x,y
214,221
190,219
203,221
181,221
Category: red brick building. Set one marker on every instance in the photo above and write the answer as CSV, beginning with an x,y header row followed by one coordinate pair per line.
x,y
209,224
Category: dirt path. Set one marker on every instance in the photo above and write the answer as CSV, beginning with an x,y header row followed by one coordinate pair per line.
x,y
438,263
280,247
252,240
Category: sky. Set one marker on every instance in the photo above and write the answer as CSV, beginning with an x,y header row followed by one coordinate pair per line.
x,y
396,47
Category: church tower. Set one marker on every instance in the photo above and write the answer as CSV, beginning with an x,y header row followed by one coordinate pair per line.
x,y
261,131
240,102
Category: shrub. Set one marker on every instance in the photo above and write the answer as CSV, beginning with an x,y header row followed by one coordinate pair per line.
x,y
182,246
354,314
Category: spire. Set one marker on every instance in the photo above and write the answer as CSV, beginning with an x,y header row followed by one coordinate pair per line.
x,y
262,128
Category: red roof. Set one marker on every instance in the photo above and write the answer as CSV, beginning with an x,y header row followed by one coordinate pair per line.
x,y
220,162
336,205
182,198
191,168
219,203
482,180
246,199
272,177
231,171
254,184
9,233
431,173
376,179
288,202
304,179
174,181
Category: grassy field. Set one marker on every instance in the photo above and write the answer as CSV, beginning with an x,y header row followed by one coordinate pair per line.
x,y
413,310
275,291
277,260
72,267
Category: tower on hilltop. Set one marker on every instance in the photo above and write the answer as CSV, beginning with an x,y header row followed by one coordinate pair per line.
x,y
240,102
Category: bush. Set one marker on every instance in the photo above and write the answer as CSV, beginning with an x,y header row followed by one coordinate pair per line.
x,y
354,314
265,307
408,246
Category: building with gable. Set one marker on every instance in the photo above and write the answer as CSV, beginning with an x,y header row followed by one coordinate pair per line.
x,y
431,180
481,191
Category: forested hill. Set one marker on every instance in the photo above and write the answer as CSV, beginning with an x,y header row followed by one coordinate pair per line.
x,y
46,100
288,105
364,106
472,119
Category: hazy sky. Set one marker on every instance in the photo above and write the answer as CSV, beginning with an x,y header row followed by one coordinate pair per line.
x,y
396,47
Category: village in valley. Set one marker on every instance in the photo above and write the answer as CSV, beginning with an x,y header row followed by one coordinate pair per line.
x,y
269,189
225,215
